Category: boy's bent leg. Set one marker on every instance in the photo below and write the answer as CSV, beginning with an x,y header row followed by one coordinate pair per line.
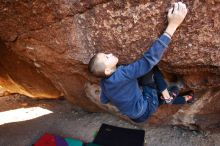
x,y
163,89
153,79
143,118
159,80
179,100
149,94
147,80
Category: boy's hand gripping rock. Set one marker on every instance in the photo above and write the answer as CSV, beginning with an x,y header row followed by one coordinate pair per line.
x,y
176,15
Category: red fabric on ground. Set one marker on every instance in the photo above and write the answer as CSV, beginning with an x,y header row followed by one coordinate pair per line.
x,y
46,140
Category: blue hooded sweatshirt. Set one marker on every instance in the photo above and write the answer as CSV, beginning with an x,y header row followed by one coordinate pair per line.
x,y
122,89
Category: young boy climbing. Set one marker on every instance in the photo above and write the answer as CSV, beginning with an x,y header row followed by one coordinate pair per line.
x,y
121,85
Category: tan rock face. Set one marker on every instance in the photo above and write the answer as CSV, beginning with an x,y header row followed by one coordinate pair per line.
x,y
46,46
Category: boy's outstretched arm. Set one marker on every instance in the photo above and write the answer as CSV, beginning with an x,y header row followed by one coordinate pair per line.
x,y
151,57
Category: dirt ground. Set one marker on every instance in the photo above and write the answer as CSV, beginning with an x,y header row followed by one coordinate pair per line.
x,y
61,118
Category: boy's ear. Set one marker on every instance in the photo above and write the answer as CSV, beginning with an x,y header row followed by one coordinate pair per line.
x,y
108,71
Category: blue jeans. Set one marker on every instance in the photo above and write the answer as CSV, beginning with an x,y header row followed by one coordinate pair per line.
x,y
152,83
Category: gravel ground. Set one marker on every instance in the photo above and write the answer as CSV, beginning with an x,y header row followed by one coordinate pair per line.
x,y
68,121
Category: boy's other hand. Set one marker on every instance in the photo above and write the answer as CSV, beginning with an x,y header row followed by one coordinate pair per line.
x,y
176,15
166,95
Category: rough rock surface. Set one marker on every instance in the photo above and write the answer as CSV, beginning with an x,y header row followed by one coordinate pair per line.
x,y
45,47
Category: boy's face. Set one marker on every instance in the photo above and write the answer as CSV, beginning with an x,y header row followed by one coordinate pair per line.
x,y
109,60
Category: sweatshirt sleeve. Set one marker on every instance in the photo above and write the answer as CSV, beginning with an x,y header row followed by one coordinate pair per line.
x,y
148,60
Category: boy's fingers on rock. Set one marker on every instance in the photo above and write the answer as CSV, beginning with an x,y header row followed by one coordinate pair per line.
x,y
185,9
176,7
170,11
179,6
180,3
183,6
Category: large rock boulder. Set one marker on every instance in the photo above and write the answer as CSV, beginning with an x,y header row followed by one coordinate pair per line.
x,y
45,47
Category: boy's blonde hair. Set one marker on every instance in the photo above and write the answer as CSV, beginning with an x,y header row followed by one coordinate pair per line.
x,y
96,67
